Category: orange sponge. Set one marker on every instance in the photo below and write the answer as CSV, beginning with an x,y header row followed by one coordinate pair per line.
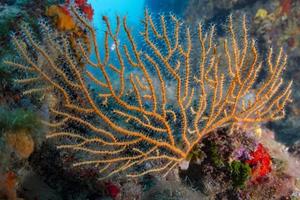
x,y
64,21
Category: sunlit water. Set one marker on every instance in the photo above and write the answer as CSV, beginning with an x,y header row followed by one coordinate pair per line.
x,y
133,11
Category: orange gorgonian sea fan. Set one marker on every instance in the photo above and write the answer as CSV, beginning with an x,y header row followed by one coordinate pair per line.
x,y
147,104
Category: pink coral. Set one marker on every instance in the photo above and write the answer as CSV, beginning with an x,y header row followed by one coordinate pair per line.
x,y
112,190
85,7
88,11
80,2
260,162
286,6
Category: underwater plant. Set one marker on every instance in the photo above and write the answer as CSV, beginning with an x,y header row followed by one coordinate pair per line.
x,y
150,105
18,119
240,173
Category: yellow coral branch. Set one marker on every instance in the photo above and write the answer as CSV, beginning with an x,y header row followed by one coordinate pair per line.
x,y
153,106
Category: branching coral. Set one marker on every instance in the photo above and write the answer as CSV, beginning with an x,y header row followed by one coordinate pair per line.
x,y
136,124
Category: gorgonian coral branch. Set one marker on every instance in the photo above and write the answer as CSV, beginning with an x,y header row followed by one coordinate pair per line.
x,y
151,102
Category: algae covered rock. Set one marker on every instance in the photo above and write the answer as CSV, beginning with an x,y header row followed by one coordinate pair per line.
x,y
21,142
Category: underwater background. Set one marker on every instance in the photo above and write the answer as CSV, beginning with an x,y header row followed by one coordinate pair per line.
x,y
257,161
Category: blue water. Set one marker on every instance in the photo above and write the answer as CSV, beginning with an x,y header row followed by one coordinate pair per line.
x,y
133,9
